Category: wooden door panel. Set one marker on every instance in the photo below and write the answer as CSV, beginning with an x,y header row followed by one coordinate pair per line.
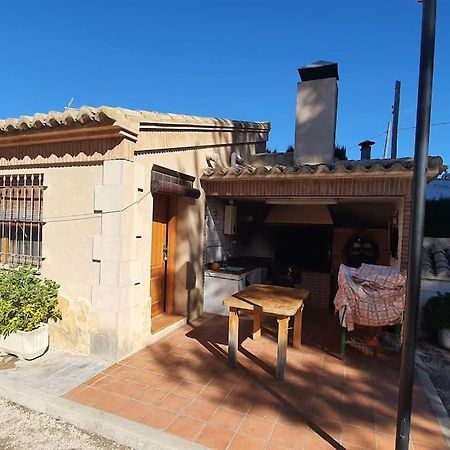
x,y
158,268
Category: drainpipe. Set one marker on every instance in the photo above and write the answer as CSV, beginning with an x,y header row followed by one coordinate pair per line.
x,y
417,223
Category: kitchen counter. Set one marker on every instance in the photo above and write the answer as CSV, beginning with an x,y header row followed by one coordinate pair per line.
x,y
229,273
223,283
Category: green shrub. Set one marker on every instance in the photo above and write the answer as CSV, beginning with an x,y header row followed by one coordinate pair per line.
x,y
436,313
26,300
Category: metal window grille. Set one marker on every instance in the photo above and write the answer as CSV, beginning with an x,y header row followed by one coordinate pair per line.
x,y
21,219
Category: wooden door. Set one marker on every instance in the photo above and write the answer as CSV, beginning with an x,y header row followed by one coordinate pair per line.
x,y
158,270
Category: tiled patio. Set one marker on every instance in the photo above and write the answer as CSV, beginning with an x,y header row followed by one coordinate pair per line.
x,y
182,384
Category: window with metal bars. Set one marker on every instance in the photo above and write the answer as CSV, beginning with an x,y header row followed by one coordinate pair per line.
x,y
21,219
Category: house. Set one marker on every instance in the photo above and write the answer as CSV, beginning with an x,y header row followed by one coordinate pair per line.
x,y
99,198
128,210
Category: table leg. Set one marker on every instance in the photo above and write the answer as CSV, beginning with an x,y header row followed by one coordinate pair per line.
x,y
233,333
256,336
283,323
298,319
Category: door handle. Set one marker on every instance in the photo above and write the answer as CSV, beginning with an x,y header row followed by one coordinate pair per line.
x,y
165,251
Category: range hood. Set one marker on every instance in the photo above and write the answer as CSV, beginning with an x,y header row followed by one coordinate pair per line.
x,y
299,215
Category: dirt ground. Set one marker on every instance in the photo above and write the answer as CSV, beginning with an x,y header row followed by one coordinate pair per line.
x,y
23,429
437,364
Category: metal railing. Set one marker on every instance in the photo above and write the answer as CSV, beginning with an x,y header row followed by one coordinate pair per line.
x,y
21,219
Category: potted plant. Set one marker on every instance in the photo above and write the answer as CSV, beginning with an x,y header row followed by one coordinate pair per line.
x,y
436,318
27,302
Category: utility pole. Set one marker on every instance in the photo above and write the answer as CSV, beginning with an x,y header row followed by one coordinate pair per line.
x,y
387,140
417,223
395,113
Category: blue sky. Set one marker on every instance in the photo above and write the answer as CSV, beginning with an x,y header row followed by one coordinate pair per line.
x,y
234,59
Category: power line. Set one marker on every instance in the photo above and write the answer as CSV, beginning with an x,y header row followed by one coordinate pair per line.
x,y
76,217
438,124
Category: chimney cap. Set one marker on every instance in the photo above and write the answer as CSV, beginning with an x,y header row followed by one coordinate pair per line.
x,y
319,70
366,143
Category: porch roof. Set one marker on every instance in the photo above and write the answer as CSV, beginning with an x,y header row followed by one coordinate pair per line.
x,y
373,167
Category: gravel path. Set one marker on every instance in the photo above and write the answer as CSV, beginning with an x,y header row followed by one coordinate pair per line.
x,y
437,364
23,429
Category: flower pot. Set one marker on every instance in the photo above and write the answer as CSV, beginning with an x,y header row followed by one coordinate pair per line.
x,y
444,338
26,344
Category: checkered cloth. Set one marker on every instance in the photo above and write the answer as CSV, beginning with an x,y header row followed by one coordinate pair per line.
x,y
371,296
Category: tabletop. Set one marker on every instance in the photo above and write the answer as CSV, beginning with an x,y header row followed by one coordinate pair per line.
x,y
268,299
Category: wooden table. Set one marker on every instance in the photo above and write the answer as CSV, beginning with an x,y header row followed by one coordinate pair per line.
x,y
281,302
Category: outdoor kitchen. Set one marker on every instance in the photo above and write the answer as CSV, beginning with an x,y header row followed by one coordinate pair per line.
x,y
291,243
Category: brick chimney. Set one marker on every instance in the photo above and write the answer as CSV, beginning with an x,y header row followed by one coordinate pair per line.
x,y
315,129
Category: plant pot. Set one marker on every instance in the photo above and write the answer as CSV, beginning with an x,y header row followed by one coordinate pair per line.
x,y
26,344
444,338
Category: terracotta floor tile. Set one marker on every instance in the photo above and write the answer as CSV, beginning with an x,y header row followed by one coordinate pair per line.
x,y
111,403
385,441
111,369
276,446
289,436
314,441
186,428
94,379
237,402
385,425
119,386
189,390
359,436
420,446
224,382
428,434
245,442
256,427
215,437
212,395
200,410
269,411
134,410
330,427
89,396
175,403
227,418
159,418
126,373
151,396
74,391
136,361
165,383
292,416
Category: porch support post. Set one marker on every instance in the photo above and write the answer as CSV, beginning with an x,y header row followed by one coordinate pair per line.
x,y
417,223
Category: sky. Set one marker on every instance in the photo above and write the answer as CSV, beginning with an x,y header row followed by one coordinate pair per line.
x,y
233,59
